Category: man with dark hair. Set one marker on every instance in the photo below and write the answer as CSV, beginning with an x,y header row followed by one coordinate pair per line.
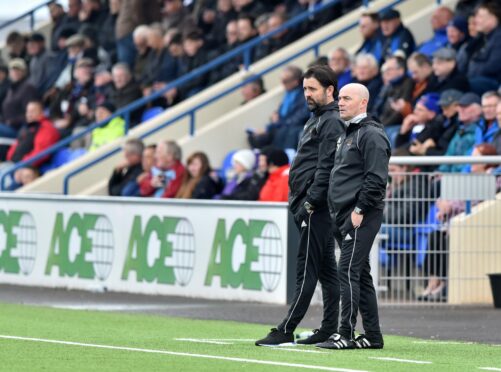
x,y
308,184
16,45
369,28
356,192
276,188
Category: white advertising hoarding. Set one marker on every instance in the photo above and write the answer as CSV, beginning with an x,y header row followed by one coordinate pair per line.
x,y
211,249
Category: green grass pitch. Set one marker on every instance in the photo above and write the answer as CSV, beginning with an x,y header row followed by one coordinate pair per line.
x,y
151,343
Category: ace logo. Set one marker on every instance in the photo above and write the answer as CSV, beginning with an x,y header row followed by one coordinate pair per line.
x,y
248,255
18,242
82,247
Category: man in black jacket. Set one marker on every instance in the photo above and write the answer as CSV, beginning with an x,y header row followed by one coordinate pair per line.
x,y
308,185
128,171
356,192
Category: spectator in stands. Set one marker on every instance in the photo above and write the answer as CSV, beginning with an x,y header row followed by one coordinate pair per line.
x,y
93,50
261,24
440,18
317,20
286,124
395,35
423,124
19,94
37,135
114,129
125,89
396,86
252,90
282,38
39,62
175,15
244,184
457,32
59,22
93,13
123,178
246,30
488,125
4,84
446,72
75,103
16,46
106,37
231,42
103,86
199,181
218,34
340,63
167,175
24,176
470,113
369,28
496,141
148,161
276,187
195,56
483,68
160,67
131,15
366,72
252,7
142,51
438,146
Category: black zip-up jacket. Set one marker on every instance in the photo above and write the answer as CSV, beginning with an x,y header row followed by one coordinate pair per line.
x,y
309,173
360,172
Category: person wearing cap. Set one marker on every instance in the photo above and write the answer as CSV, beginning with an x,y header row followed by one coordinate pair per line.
x,y
20,92
276,188
115,128
244,183
440,18
446,72
16,45
39,61
457,32
470,113
395,37
371,33
74,104
436,147
424,123
483,68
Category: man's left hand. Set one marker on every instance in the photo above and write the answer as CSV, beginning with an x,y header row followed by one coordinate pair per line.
x,y
356,219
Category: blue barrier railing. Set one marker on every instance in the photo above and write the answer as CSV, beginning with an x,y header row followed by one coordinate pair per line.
x,y
240,51
191,111
29,13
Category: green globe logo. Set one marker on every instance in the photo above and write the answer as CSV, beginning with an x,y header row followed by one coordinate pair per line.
x,y
25,248
270,256
183,251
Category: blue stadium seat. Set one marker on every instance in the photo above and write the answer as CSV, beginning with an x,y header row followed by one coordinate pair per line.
x,y
151,113
226,165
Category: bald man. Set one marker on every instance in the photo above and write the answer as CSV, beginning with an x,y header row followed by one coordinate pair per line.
x,y
356,191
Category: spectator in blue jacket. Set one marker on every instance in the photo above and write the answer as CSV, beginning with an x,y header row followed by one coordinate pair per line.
x,y
457,32
439,21
395,35
462,143
483,68
369,28
488,126
287,122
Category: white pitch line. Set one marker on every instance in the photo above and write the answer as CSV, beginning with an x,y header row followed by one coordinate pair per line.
x,y
401,360
231,339
443,342
203,341
301,350
166,352
489,368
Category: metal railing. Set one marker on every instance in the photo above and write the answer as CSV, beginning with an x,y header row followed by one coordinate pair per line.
x,y
440,235
29,13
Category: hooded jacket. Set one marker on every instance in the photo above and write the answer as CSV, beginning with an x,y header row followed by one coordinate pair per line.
x,y
309,173
360,173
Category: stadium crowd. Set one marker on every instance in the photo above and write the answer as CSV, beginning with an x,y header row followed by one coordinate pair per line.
x,y
439,97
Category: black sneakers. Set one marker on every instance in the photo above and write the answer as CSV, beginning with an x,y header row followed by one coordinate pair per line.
x,y
317,337
363,342
276,337
337,342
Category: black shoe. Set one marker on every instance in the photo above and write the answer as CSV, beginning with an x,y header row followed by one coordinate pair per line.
x,y
337,342
363,342
317,337
276,337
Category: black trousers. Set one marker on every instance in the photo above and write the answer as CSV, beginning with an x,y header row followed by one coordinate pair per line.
x,y
357,288
315,262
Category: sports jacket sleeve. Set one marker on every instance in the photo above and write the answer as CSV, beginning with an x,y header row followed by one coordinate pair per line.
x,y
329,133
375,149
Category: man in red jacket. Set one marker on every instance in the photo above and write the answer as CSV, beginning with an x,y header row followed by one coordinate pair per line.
x,y
37,135
166,176
276,188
